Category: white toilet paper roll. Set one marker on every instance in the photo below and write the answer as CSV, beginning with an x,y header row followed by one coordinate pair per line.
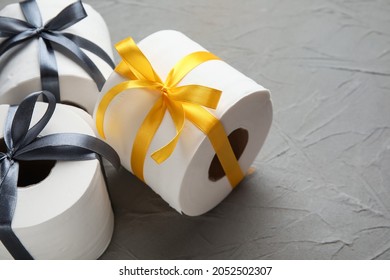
x,y
85,116
76,86
67,215
188,180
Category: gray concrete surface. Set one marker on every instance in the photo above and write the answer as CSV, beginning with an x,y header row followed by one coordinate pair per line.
x,y
321,189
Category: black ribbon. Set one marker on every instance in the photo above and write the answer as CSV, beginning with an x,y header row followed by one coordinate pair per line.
x,y
50,36
23,143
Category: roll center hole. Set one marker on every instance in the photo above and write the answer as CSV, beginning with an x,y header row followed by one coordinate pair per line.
x,y
238,140
31,172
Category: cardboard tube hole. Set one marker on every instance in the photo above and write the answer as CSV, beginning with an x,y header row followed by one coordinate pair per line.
x,y
31,172
238,140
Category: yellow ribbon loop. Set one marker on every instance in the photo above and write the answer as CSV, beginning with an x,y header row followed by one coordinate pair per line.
x,y
182,102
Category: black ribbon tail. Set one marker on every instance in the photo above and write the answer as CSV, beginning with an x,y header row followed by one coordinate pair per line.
x,y
8,200
91,47
13,244
48,68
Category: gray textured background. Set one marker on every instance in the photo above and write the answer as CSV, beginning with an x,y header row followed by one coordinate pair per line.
x,y
321,189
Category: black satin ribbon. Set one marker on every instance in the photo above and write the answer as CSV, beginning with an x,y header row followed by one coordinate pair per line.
x,y
50,36
23,143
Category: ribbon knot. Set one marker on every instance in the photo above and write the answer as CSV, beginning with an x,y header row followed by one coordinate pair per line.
x,y
182,102
50,36
23,143
39,30
165,90
10,155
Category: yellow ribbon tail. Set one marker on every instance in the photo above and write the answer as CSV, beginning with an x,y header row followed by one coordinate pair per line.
x,y
145,136
123,69
201,95
111,94
215,131
178,117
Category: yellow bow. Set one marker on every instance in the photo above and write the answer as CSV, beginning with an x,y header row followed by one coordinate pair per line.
x,y
182,102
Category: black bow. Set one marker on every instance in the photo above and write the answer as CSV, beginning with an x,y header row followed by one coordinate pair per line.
x,y
49,36
24,144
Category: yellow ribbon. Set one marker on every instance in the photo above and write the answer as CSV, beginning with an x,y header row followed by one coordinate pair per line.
x,y
182,102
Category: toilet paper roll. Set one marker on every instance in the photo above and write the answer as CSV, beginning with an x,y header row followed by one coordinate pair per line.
x,y
68,214
189,180
76,86
85,116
